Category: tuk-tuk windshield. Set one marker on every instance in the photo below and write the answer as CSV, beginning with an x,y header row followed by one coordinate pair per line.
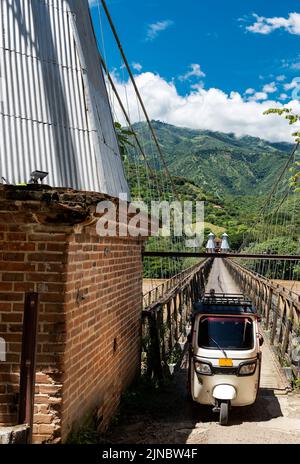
x,y
234,333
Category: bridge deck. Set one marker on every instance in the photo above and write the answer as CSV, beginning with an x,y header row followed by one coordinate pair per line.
x,y
271,375
167,417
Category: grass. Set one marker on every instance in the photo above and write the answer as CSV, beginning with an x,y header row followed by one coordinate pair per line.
x,y
215,229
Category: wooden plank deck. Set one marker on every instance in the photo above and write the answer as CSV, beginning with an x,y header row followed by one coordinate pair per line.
x,y
272,375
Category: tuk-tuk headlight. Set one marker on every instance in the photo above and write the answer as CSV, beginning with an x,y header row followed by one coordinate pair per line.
x,y
247,369
202,368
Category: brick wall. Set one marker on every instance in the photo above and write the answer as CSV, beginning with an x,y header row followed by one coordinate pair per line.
x,y
90,294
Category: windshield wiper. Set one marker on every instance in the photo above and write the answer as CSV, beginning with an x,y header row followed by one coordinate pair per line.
x,y
221,349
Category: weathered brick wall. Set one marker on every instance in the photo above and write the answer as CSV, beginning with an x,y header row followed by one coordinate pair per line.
x,y
90,293
103,324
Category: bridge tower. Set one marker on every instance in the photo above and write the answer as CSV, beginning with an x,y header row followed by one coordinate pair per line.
x,y
225,247
210,247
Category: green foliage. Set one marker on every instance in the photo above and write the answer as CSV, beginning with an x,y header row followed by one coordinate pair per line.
x,y
123,136
274,269
292,119
174,355
85,435
295,180
231,175
222,164
296,384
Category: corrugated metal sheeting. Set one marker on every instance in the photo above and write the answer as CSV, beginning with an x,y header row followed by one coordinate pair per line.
x,y
55,114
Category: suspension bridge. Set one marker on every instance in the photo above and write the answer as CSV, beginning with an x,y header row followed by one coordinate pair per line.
x,y
260,269
71,304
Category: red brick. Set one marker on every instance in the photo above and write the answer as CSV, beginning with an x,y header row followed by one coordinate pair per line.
x,y
13,257
11,297
23,287
16,267
17,246
45,257
12,277
14,317
47,237
16,237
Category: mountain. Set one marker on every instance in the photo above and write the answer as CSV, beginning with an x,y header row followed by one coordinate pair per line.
x,y
220,163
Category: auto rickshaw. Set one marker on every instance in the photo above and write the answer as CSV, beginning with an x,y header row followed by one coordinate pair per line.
x,y
224,353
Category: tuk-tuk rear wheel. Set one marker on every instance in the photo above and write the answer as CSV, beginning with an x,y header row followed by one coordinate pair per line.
x,y
224,412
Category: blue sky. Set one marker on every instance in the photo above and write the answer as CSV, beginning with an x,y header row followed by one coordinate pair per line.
x,y
195,44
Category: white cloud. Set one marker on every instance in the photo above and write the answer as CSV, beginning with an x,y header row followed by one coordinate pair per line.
x,y
210,109
295,66
270,88
155,28
137,66
264,25
249,91
291,85
291,63
283,96
281,78
258,96
195,71
198,85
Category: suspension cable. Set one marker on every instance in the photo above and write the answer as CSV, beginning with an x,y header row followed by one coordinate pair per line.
x,y
114,31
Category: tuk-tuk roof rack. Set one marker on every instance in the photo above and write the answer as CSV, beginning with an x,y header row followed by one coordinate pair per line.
x,y
226,298
231,303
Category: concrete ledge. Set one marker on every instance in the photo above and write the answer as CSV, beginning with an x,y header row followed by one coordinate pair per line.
x,y
14,435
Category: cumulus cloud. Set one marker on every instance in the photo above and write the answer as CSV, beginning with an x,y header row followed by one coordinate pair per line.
x,y
281,78
210,109
291,85
264,25
155,28
195,71
249,91
283,96
258,96
270,88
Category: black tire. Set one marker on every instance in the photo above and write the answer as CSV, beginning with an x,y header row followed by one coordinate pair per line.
x,y
224,412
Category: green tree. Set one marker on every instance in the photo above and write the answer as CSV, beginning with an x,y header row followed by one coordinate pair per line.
x,y
292,118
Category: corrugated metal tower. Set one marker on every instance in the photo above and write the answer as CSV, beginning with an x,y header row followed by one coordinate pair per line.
x,y
55,114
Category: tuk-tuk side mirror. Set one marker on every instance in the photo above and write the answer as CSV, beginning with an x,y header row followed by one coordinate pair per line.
x,y
261,340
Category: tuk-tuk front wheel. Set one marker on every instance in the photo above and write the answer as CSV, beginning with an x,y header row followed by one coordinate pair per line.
x,y
224,412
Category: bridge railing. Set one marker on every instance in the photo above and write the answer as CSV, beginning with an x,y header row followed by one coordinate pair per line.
x,y
165,321
278,307
153,295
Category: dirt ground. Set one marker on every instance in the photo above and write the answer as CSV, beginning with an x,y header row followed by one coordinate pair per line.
x,y
168,417
293,285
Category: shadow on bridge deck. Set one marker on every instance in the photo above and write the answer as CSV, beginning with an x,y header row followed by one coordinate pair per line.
x,y
166,416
